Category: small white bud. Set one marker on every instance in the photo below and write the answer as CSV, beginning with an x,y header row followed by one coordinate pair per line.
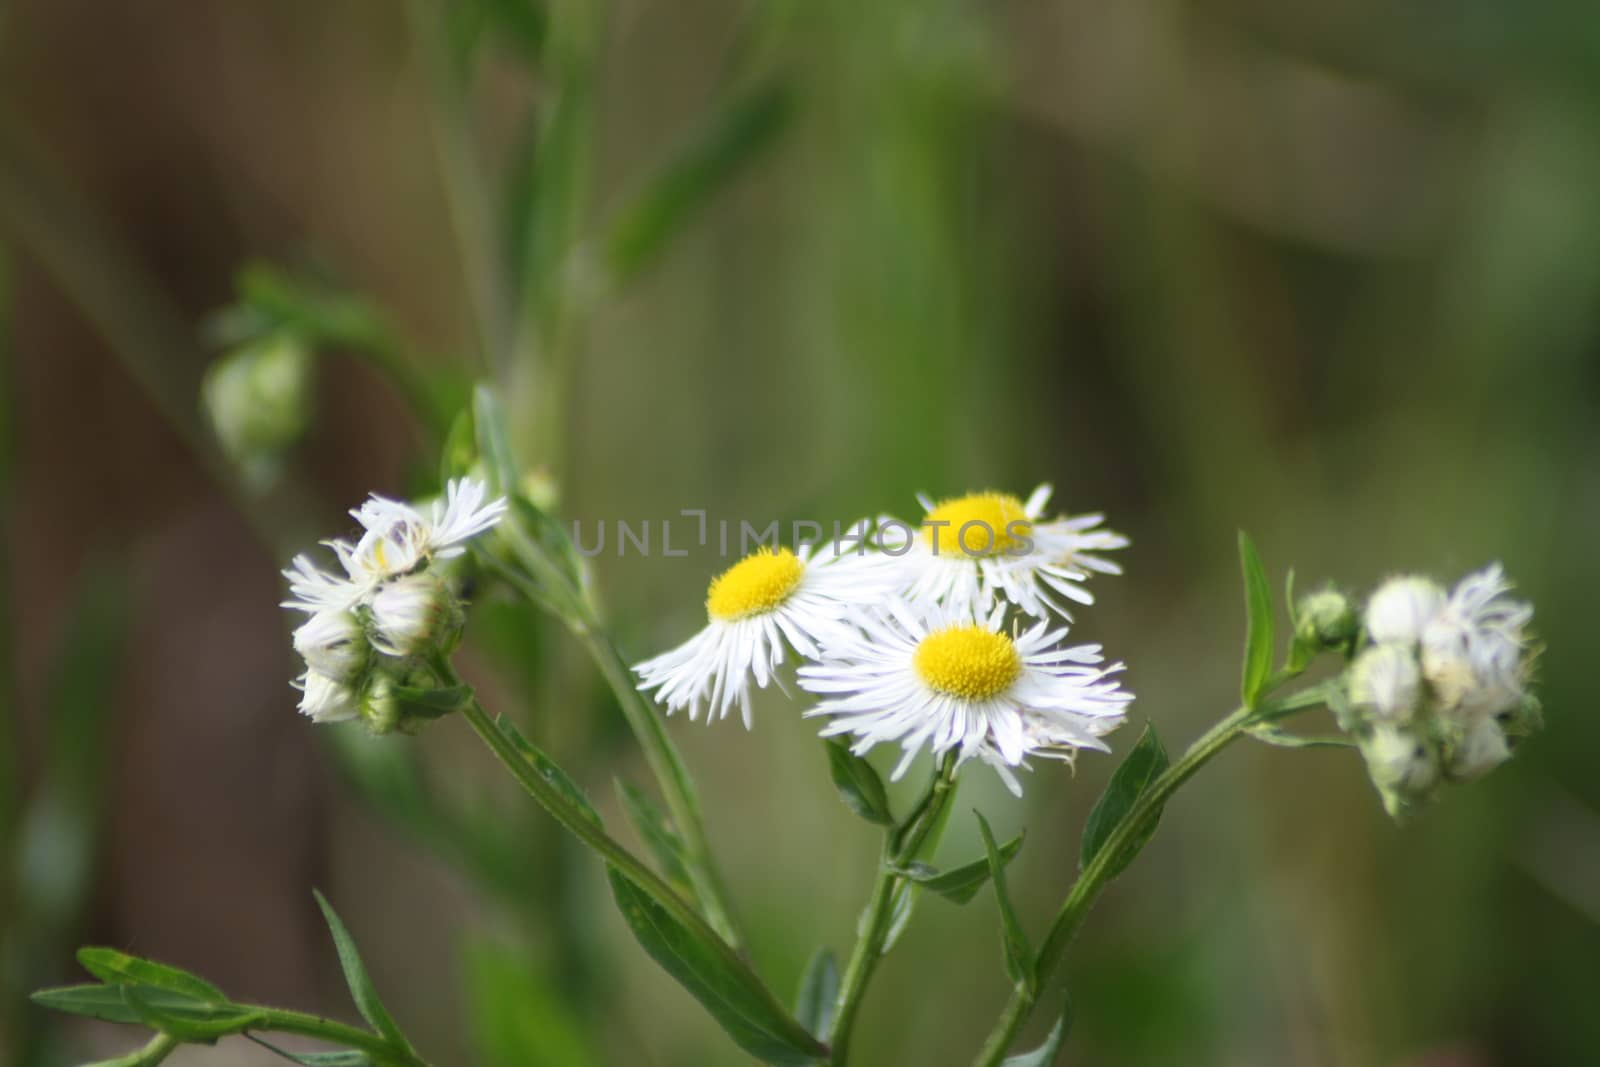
x,y
1385,683
412,614
1401,608
1480,750
1402,765
333,645
324,700
258,398
1325,619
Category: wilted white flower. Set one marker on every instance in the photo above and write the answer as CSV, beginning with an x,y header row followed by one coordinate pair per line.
x,y
1479,750
944,680
970,550
1474,649
1401,763
334,645
1400,609
324,700
766,601
412,613
1386,683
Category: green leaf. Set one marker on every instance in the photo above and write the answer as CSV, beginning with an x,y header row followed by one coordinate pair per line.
x,y
347,1057
959,884
547,769
711,158
105,1002
819,990
1019,955
1045,1054
1282,738
718,979
1135,774
355,976
1258,640
901,907
655,830
111,966
858,784
188,1020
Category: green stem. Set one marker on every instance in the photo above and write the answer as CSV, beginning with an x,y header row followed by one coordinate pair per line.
x,y
900,847
380,1049
1135,826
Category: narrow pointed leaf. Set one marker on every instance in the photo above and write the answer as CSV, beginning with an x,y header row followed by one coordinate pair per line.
x,y
111,966
187,1020
547,769
858,784
1019,955
347,1057
1258,640
356,977
819,990
1138,770
105,1002
1045,1054
900,909
658,835
959,884
717,978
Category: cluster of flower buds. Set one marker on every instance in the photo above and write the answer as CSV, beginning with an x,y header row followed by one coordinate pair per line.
x,y
372,631
1439,692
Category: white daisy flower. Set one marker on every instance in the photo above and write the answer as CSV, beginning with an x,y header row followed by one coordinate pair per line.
x,y
1401,607
972,549
324,700
315,590
1475,648
398,536
334,645
766,601
1386,683
944,679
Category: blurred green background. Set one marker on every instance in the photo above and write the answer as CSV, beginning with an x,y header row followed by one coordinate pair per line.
x,y
1329,273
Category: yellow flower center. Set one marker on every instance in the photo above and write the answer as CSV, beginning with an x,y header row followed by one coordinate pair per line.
x,y
979,524
756,584
968,661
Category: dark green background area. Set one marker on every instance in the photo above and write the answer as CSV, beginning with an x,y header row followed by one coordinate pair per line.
x,y
1329,273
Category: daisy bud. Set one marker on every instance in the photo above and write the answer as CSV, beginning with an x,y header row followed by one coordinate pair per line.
x,y
324,700
380,709
1480,750
333,645
414,613
1401,608
258,399
1325,620
1385,684
1402,765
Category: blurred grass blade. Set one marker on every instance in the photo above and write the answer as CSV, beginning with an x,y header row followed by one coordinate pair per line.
x,y
1133,776
655,830
732,140
959,884
819,990
858,783
518,1018
727,989
1046,1054
1019,955
356,977
1258,639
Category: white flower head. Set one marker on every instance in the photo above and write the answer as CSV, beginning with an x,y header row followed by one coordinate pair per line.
x,y
315,590
399,537
769,600
1400,609
968,551
334,645
1386,683
943,679
412,613
324,700
1475,649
